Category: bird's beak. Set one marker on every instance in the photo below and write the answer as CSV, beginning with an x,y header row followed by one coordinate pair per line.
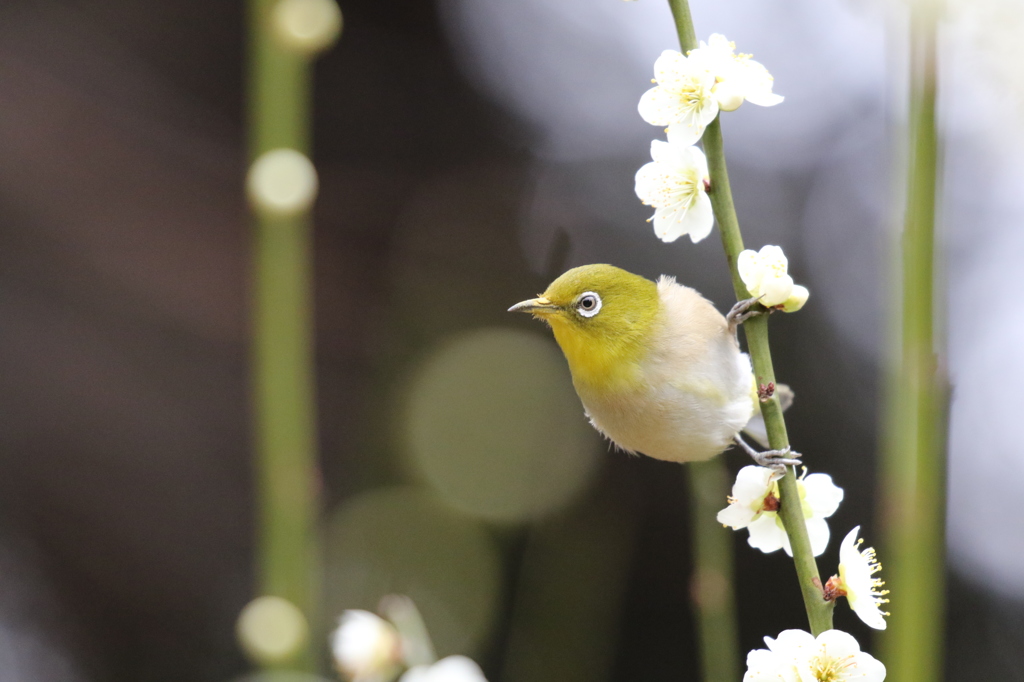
x,y
538,306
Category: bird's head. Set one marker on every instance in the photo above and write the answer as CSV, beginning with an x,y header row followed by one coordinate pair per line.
x,y
602,317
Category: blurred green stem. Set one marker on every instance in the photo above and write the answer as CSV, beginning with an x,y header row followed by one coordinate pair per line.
x,y
712,585
819,612
283,379
914,461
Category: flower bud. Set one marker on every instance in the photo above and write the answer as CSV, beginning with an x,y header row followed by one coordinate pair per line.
x,y
730,96
765,274
796,300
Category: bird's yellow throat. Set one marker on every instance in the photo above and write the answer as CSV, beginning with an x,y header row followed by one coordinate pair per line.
x,y
601,364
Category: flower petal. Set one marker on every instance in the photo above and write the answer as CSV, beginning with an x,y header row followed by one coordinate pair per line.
x,y
678,156
790,641
669,68
869,668
773,256
867,610
706,113
660,106
767,666
776,290
768,99
697,159
700,218
729,96
650,185
849,555
669,223
718,42
837,643
766,535
822,495
856,575
748,264
753,483
758,84
664,152
819,534
684,134
736,516
797,299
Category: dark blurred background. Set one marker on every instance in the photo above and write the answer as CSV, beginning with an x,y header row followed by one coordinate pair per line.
x,y
456,179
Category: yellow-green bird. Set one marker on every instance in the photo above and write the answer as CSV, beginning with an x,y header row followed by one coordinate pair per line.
x,y
657,367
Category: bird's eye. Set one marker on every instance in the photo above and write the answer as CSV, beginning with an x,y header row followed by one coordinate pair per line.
x,y
589,304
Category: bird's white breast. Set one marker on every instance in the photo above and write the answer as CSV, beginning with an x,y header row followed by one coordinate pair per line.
x,y
695,391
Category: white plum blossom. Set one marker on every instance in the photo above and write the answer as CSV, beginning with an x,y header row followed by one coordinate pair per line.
x,y
691,89
798,656
737,76
675,183
366,647
754,505
766,275
682,99
450,669
857,583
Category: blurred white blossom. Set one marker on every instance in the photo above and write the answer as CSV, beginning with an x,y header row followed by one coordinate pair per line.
x,y
766,275
797,656
450,669
675,183
857,582
754,505
366,647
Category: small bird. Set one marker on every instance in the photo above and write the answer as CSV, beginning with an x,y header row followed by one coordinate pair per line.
x,y
659,370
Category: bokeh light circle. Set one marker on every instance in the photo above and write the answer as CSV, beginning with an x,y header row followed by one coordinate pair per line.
x,y
271,629
282,182
306,26
402,540
494,425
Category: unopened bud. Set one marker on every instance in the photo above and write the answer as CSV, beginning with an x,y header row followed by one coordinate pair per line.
x,y
796,299
729,96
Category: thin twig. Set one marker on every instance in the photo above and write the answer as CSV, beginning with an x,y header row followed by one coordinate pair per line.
x,y
819,612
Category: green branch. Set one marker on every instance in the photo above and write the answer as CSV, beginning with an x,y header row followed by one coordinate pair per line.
x,y
283,375
712,587
914,456
819,612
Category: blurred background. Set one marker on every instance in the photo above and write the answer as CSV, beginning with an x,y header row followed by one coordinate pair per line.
x,y
469,151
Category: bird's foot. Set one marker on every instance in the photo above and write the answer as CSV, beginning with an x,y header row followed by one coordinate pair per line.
x,y
741,312
777,460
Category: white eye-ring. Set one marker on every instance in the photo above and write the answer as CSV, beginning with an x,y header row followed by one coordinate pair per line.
x,y
588,304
